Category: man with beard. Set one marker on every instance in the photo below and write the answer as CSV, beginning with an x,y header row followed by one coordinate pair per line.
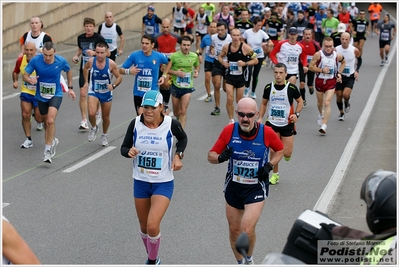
x,y
247,180
150,22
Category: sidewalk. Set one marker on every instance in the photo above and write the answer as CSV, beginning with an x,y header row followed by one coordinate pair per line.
x,y
66,50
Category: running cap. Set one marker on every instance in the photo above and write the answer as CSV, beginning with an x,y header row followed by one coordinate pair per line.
x,y
341,27
266,9
152,98
151,8
292,30
353,4
322,7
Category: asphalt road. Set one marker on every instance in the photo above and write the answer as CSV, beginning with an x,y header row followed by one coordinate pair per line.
x,y
80,209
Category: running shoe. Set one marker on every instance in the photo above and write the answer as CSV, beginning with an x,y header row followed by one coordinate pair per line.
x,y
341,117
104,139
92,134
253,95
323,128
47,156
208,98
274,178
157,261
98,117
382,63
347,107
311,90
287,158
386,60
249,261
320,119
216,111
39,126
83,125
27,144
53,146
246,92
166,109
304,103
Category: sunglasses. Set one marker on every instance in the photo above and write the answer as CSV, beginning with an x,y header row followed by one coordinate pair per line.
x,y
242,114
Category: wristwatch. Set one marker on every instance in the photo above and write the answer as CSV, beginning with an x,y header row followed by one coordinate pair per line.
x,y
180,154
297,114
113,86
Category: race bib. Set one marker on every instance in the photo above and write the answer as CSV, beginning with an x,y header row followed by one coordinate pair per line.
x,y
361,28
292,59
329,31
47,90
328,75
100,86
144,84
244,171
31,87
185,81
346,71
150,165
234,68
308,59
149,29
259,52
385,36
108,41
272,31
277,112
85,59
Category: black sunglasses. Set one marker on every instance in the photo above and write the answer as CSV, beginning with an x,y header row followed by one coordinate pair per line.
x,y
242,114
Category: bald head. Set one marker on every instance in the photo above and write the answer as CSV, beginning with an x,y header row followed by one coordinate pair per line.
x,y
165,26
247,103
109,18
30,50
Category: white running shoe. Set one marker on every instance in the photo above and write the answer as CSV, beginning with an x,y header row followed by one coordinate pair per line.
x,y
39,126
323,128
104,139
83,125
382,63
246,91
253,95
341,117
320,119
53,146
92,134
47,156
98,117
27,144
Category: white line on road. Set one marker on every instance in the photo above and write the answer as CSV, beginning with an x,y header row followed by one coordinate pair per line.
x,y
90,159
323,204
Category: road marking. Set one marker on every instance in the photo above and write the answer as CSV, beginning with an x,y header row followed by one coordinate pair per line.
x,y
6,204
90,159
11,96
323,204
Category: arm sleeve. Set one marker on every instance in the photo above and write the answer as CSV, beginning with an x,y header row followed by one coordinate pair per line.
x,y
99,28
158,20
119,30
47,38
273,53
224,139
18,65
180,134
271,139
128,141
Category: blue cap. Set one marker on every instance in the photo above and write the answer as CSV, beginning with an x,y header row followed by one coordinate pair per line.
x,y
322,7
152,98
151,8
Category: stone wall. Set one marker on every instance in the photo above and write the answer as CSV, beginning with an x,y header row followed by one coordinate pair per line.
x,y
64,21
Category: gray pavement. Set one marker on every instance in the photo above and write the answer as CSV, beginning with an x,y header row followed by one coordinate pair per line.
x,y
87,216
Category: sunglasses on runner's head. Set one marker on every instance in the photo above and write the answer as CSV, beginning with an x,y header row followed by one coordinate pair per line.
x,y
242,114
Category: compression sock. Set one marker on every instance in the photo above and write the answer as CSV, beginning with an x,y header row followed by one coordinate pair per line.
x,y
340,105
302,90
153,246
144,237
